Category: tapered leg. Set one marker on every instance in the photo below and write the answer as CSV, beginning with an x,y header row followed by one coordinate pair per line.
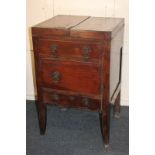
x,y
41,108
105,124
117,106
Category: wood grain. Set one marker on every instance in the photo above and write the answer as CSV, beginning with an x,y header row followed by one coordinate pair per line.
x,y
67,100
66,78
62,22
74,76
69,49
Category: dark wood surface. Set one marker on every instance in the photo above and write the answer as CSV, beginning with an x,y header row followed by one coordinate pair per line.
x,y
74,50
64,99
78,64
73,76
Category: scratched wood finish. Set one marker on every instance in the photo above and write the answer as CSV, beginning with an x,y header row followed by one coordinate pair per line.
x,y
78,82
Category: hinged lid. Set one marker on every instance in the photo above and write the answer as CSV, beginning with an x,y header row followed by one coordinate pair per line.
x,y
79,27
58,25
98,27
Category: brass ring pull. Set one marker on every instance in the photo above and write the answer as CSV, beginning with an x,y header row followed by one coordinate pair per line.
x,y
55,97
86,101
56,76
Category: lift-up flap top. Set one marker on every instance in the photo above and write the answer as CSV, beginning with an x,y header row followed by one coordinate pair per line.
x,y
59,25
97,27
79,27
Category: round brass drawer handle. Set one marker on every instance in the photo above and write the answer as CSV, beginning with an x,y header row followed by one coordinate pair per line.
x,y
55,97
56,76
86,101
71,98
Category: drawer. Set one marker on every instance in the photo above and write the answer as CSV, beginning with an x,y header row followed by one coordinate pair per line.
x,y
79,50
69,100
70,76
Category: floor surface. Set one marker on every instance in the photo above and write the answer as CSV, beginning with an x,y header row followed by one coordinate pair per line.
x,y
75,132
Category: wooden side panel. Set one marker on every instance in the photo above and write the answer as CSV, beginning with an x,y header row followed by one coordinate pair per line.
x,y
116,45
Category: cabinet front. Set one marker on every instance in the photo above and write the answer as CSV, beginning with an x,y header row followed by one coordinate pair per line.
x,y
70,76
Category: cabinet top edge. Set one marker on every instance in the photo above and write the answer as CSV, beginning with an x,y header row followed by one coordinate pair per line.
x,y
78,26
61,22
75,22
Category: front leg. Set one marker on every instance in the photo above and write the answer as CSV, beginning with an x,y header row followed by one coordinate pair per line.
x,y
105,124
42,116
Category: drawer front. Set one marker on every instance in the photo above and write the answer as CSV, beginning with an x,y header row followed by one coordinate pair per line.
x,y
71,76
67,100
79,50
